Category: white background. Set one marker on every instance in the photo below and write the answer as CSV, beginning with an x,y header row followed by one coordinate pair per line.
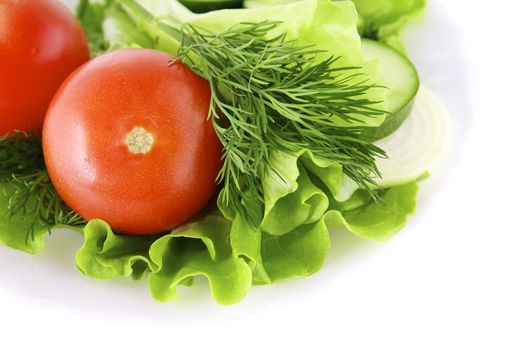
x,y
453,279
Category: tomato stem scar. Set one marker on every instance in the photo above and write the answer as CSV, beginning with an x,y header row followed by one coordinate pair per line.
x,y
139,140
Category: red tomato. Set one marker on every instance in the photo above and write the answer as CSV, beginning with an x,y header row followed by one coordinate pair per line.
x,y
127,139
41,43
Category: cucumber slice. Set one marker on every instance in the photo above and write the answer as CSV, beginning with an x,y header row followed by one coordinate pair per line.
x,y
201,6
402,80
415,147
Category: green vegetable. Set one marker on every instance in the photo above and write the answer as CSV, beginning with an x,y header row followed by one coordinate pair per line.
x,y
200,6
20,230
197,248
380,20
29,204
91,15
383,20
20,154
402,80
380,220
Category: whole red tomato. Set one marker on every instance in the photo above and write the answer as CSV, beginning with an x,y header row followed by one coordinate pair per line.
x,y
41,43
127,139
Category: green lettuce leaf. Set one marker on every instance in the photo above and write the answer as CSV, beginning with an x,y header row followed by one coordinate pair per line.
x,y
381,20
22,231
294,241
91,15
379,220
106,255
199,248
298,253
120,32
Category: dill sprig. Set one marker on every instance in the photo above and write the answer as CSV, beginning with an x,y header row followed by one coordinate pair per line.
x,y
272,94
30,192
20,153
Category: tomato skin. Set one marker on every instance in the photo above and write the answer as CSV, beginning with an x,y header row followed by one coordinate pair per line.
x,y
41,43
89,161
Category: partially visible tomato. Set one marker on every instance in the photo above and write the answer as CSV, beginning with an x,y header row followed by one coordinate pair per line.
x,y
127,139
41,43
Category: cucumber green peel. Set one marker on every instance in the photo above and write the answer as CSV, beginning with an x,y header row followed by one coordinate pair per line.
x,y
307,196
400,77
200,6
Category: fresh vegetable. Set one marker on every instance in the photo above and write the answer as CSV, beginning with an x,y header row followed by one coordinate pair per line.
x,y
29,204
380,20
417,144
91,15
400,77
41,43
383,20
199,6
280,127
127,139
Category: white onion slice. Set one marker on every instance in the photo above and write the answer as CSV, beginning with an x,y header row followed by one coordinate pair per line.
x,y
417,144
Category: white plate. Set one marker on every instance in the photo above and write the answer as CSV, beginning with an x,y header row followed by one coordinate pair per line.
x,y
362,292
51,278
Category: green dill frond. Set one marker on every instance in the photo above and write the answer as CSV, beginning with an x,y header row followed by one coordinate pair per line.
x,y
20,153
271,94
31,193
